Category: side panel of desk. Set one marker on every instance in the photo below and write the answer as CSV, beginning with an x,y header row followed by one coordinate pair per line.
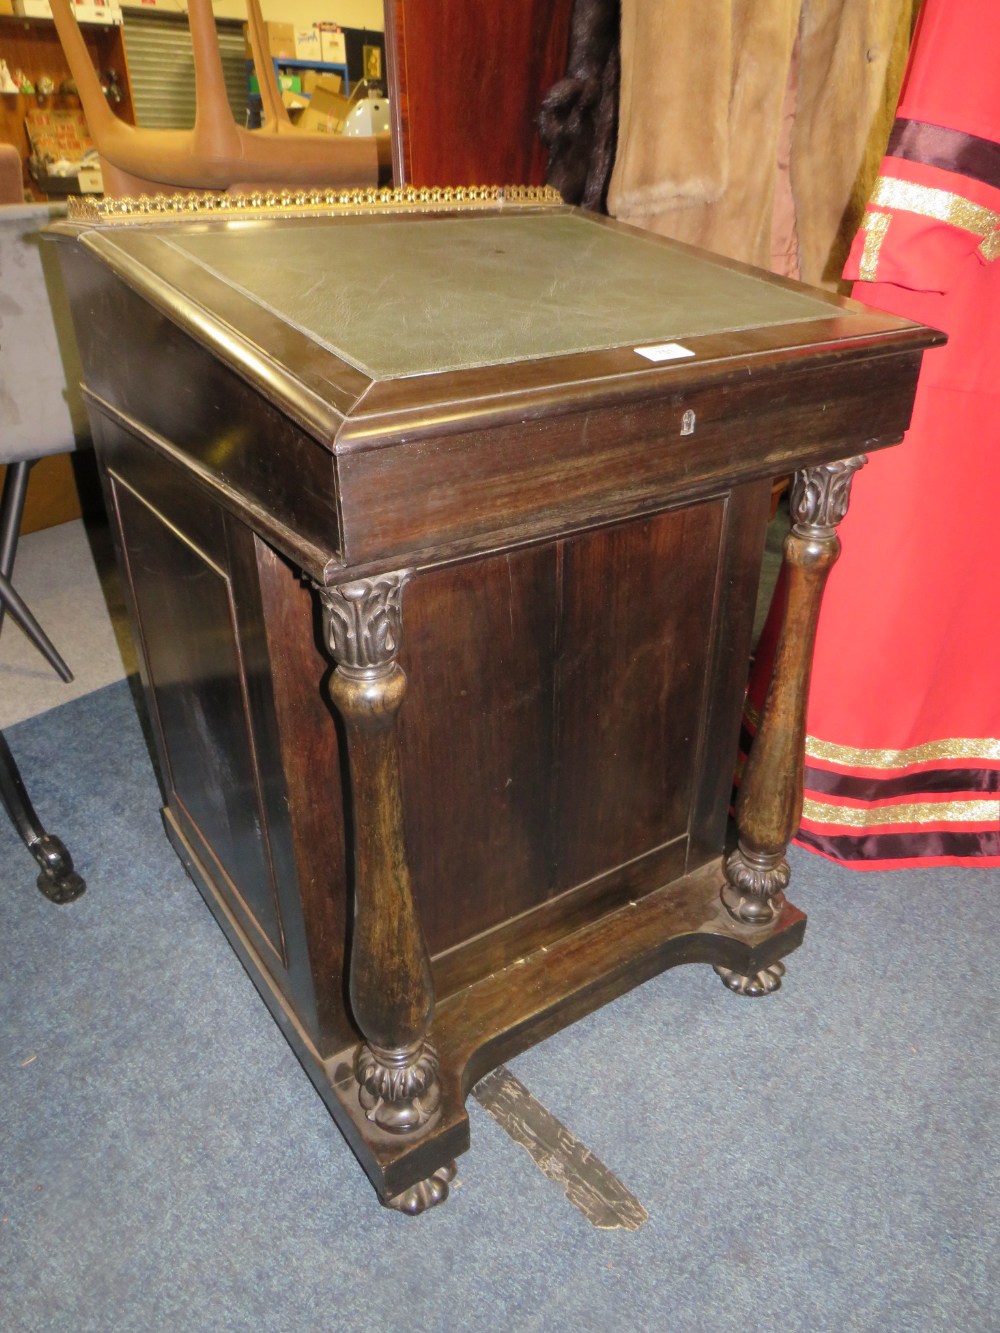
x,y
248,755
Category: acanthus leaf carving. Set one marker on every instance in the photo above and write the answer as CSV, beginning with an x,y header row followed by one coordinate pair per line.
x,y
821,495
363,621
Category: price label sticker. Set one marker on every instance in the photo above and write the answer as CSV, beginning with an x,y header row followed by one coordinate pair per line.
x,y
664,352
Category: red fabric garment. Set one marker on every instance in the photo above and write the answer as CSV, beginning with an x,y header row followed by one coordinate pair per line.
x,y
903,748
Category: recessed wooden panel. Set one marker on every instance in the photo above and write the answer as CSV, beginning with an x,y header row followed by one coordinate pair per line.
x,y
633,659
184,603
553,714
476,732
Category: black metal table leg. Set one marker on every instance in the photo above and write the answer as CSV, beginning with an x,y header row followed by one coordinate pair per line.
x,y
11,511
15,488
16,605
57,880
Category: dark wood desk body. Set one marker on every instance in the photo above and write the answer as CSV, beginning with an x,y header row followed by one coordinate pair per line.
x,y
560,559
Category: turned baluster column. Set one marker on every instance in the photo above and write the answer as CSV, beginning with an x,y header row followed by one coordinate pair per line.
x,y
391,988
769,806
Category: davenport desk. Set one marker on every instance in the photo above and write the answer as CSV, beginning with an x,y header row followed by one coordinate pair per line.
x,y
441,518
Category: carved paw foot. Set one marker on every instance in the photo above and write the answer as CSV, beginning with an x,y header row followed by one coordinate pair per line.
x,y
761,983
58,880
425,1193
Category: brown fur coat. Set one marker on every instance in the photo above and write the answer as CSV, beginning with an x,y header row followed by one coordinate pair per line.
x,y
707,113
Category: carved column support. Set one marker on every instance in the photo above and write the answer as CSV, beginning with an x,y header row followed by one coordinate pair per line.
x,y
391,989
769,806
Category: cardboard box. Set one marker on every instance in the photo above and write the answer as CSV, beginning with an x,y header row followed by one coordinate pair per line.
x,y
59,139
90,181
87,11
97,11
334,47
327,83
280,38
328,107
309,44
57,134
294,104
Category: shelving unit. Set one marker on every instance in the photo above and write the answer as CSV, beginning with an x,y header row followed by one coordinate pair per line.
x,y
32,45
281,63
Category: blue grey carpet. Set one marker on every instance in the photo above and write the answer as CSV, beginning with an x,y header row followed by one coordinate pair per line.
x,y
825,1158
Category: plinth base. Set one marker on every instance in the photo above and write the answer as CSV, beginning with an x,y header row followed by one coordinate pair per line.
x,y
486,1023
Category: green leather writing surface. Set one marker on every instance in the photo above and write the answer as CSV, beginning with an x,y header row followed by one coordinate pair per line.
x,y
412,296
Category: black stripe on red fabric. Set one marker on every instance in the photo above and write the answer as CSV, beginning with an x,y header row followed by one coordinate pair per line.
x,y
951,150
903,846
931,780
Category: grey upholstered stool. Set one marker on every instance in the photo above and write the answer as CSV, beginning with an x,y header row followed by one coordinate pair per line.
x,y
40,413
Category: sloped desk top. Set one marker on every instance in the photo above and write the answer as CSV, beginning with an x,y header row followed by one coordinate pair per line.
x,y
460,293
377,334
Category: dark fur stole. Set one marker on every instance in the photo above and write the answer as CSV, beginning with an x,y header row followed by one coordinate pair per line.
x,y
578,121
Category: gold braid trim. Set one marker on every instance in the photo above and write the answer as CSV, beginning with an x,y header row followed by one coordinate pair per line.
x,y
304,203
876,225
916,812
959,750
942,206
